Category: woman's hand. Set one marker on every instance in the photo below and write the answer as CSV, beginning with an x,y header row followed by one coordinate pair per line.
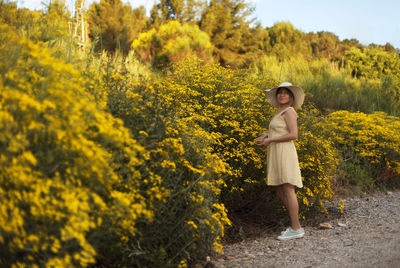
x,y
265,142
261,138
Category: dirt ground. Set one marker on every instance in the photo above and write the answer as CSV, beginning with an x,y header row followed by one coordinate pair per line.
x,y
367,234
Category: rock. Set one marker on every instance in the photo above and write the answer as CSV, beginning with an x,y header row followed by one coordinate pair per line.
x,y
230,258
341,224
209,265
389,193
348,243
325,225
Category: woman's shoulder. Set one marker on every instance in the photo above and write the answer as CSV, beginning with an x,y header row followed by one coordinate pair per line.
x,y
290,110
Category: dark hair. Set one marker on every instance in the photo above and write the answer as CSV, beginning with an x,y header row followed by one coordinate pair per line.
x,y
290,92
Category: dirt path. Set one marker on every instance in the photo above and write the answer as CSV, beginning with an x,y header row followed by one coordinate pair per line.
x,y
366,235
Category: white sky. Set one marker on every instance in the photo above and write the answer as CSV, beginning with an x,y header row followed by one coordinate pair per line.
x,y
369,21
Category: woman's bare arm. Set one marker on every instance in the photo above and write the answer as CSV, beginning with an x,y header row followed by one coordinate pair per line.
x,y
290,117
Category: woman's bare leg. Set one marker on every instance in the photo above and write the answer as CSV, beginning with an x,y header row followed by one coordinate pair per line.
x,y
281,195
291,204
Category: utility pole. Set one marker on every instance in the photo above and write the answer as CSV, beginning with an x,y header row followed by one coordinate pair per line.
x,y
80,27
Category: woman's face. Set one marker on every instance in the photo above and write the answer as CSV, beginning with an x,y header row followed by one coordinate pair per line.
x,y
283,96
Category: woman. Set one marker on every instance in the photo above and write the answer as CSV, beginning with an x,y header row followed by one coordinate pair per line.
x,y
283,169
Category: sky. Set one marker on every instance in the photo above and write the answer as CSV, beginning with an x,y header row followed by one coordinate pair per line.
x,y
368,21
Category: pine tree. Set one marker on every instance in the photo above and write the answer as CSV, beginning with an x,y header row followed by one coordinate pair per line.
x,y
114,25
324,45
228,25
181,10
155,17
286,41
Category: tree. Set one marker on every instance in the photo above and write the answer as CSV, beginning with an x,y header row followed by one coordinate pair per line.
x,y
180,10
286,41
155,17
114,25
228,25
324,45
171,43
372,62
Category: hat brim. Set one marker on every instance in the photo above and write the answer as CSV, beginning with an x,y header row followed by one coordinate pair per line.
x,y
297,91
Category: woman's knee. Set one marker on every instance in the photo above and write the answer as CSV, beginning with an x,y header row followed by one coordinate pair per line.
x,y
279,192
287,188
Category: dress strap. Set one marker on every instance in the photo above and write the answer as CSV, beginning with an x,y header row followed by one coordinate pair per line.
x,y
284,110
287,108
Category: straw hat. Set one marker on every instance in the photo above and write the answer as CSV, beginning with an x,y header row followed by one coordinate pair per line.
x,y
297,91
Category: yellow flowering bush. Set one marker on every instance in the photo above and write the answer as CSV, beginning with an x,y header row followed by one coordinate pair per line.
x,y
190,222
72,180
231,110
368,144
228,105
318,160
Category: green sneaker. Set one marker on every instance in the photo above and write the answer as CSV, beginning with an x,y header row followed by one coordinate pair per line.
x,y
291,234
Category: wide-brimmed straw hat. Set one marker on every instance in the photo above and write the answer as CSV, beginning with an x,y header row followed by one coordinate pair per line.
x,y
297,91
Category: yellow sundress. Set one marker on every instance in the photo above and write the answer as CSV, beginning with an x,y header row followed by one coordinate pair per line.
x,y
282,161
